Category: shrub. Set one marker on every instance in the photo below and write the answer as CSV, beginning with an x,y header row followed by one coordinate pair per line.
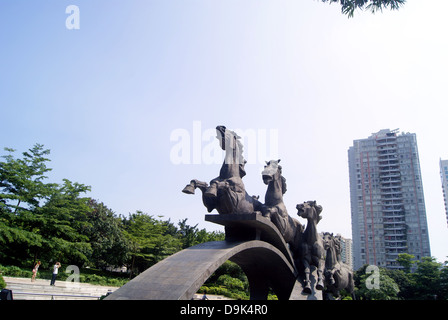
x,y
2,282
231,283
13,271
86,276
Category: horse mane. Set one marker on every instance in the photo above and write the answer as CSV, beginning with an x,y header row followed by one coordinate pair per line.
x,y
238,146
318,209
337,244
236,139
283,184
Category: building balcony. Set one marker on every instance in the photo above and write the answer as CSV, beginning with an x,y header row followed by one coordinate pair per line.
x,y
393,218
391,242
384,176
394,234
391,195
392,208
381,144
391,227
388,162
391,180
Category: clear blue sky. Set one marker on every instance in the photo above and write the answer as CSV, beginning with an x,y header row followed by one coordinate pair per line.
x,y
106,98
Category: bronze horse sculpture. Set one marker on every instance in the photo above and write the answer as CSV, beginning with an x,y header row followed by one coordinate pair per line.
x,y
227,193
338,275
312,251
275,209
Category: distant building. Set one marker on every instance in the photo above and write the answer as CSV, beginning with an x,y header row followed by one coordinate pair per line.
x,y
346,252
387,203
444,177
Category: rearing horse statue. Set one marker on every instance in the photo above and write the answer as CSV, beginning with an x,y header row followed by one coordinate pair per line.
x,y
227,193
312,251
275,209
337,274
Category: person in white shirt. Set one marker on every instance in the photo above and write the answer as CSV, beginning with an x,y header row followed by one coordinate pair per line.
x,y
55,273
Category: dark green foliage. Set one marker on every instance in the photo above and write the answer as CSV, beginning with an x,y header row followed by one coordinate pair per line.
x,y
429,281
106,237
55,222
151,240
39,219
93,276
228,280
387,289
2,282
348,7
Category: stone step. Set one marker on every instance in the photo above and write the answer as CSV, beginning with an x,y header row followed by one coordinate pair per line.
x,y
24,289
51,289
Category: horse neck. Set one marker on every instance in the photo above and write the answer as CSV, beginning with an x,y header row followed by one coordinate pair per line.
x,y
229,171
331,259
232,162
274,194
311,231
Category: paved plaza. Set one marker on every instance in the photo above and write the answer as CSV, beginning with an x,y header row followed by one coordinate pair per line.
x,y
24,289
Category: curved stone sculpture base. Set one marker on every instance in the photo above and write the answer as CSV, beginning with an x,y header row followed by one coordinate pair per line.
x,y
252,242
180,276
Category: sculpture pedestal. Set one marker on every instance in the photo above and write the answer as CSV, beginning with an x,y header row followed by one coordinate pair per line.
x,y
253,243
297,291
247,227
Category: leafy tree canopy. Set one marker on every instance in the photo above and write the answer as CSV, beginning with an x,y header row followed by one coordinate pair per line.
x,y
348,7
57,222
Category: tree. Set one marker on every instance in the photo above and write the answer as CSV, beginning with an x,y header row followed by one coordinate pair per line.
x,y
387,288
148,240
427,279
57,222
405,282
109,246
443,293
22,190
405,260
21,180
348,7
192,236
38,218
63,224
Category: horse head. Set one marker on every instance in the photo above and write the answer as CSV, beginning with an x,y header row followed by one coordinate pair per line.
x,y
273,172
309,210
328,240
228,139
230,142
332,244
221,136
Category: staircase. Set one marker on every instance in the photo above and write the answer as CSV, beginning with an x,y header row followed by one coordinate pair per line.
x,y
24,289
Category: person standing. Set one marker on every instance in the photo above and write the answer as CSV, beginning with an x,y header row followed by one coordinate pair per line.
x,y
36,267
55,273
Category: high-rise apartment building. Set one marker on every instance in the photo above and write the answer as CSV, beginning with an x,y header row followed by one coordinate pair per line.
x,y
387,203
346,251
444,177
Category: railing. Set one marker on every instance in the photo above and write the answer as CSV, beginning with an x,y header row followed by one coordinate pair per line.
x,y
56,295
